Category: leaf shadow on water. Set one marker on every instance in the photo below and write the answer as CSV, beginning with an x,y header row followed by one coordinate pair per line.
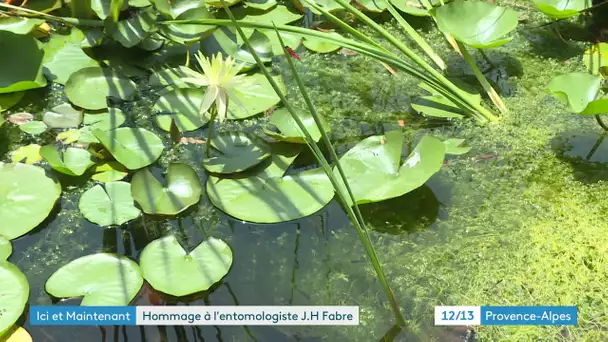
x,y
545,43
586,152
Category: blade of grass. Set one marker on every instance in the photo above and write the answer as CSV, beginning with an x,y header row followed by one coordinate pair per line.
x,y
359,222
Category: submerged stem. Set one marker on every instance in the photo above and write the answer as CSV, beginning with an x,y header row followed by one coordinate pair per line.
x,y
601,123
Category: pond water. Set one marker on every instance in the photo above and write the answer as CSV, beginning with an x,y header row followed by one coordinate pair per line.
x,y
471,236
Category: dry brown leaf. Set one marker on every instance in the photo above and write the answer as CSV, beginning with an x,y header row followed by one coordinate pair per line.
x,y
20,118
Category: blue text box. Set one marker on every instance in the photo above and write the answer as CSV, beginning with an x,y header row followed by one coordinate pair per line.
x,y
83,315
529,315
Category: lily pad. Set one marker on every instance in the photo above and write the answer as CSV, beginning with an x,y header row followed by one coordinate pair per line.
x,y
63,116
237,152
9,100
103,279
31,154
73,162
152,42
134,30
110,119
22,71
89,87
263,5
172,270
112,206
437,106
597,107
411,7
189,33
289,130
34,127
132,147
560,9
109,172
139,3
68,137
256,94
29,196
452,146
103,7
596,59
173,8
63,56
181,105
14,291
182,190
575,90
172,77
376,6
225,40
373,170
5,248
280,15
476,23
328,5
321,45
20,118
19,25
19,335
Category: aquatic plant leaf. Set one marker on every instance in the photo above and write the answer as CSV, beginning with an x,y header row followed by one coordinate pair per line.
x,y
103,279
189,33
411,7
328,5
237,152
44,6
226,41
112,206
280,14
478,24
68,137
103,8
139,3
31,154
219,4
109,172
575,90
452,146
289,130
560,9
596,107
19,25
183,189
89,87
372,166
22,71
63,116
182,106
290,39
152,42
14,291
437,106
255,94
20,118
18,335
33,127
134,30
173,8
376,6
172,77
596,59
9,100
319,45
105,121
132,147
63,56
5,248
72,162
263,5
172,270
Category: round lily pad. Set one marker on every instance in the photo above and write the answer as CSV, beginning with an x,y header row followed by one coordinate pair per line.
x,y
5,248
89,88
269,196
63,56
103,279
476,23
72,162
110,206
575,90
34,127
19,25
181,105
289,130
560,9
321,45
183,189
170,269
236,152
19,335
132,147
29,153
14,291
113,118
134,30
63,116
374,171
20,63
109,172
28,197
9,100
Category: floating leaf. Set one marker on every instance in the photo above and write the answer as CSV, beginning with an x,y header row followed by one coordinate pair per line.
x,y
134,30
237,152
183,189
173,8
20,118
596,59
103,279
31,154
44,6
411,7
19,25
220,4
92,38
5,248
89,87
69,136
152,43
112,206
262,5
63,116
14,291
289,130
256,94
189,33
139,3
280,15
560,9
452,146
110,119
373,172
103,8
376,6
72,162
9,100
132,147
33,127
478,24
24,71
226,41
597,107
170,269
575,90
181,105
109,172
19,335
172,77
321,45
437,106
63,56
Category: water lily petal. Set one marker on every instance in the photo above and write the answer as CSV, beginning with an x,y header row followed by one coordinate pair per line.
x,y
221,105
208,99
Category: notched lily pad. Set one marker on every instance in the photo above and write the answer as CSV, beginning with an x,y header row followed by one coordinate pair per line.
x,y
5,248
30,153
237,152
72,162
453,146
14,291
182,190
560,9
172,270
63,116
103,279
575,90
24,72
109,172
288,129
134,30
89,88
34,127
181,105
110,206
134,148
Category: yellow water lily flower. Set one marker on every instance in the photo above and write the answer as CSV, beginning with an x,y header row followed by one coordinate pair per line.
x,y
220,77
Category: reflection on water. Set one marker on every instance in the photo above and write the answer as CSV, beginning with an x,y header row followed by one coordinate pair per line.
x,y
587,153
